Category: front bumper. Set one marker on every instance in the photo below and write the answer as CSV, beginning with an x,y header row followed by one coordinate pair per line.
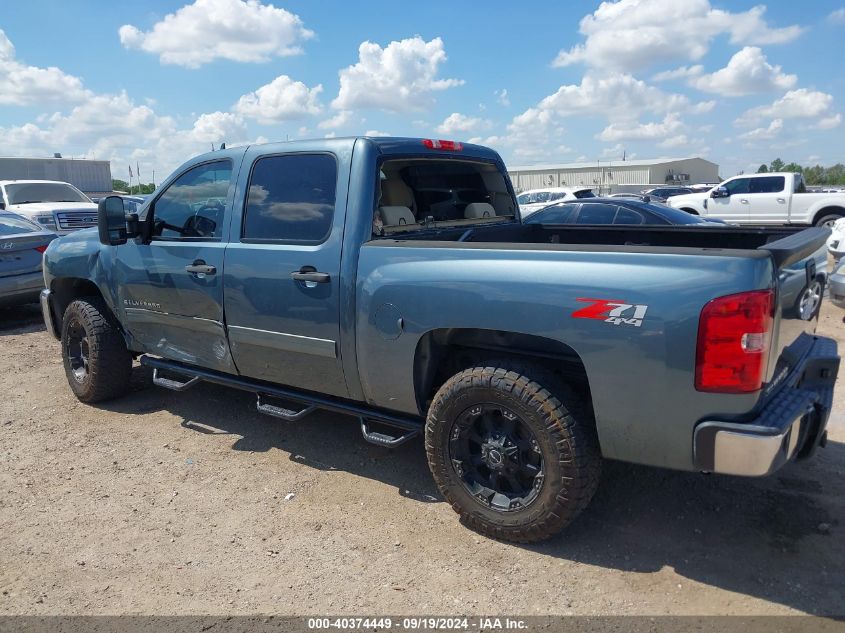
x,y
47,313
836,288
790,426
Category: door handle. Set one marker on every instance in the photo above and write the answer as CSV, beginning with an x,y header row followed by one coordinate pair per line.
x,y
200,268
743,200
310,274
781,200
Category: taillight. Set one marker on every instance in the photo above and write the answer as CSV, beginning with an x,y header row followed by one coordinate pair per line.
x,y
449,146
41,249
734,336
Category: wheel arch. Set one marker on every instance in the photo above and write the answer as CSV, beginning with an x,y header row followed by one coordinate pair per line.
x,y
830,209
441,353
690,210
64,290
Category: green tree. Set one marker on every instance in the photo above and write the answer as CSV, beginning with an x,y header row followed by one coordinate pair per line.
x,y
793,167
763,169
776,165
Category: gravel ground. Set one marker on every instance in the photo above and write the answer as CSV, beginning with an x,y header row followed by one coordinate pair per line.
x,y
165,503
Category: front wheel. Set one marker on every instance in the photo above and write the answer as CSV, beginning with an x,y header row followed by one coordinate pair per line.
x,y
516,460
97,363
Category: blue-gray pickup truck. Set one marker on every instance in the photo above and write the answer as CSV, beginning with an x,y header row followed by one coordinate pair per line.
x,y
392,279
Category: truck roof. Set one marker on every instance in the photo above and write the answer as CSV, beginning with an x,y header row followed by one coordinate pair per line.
x,y
28,181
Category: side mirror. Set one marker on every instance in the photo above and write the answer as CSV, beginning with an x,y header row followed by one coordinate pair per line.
x,y
111,221
720,192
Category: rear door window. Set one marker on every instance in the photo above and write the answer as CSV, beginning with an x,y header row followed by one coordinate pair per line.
x,y
628,216
291,198
766,184
598,213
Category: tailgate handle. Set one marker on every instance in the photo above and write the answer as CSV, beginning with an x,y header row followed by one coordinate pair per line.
x,y
310,274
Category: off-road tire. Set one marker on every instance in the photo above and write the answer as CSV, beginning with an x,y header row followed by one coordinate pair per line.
x,y
109,363
562,427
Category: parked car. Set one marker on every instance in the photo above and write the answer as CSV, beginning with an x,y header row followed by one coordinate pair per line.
x,y
55,206
634,196
661,194
770,198
536,199
22,244
526,354
616,211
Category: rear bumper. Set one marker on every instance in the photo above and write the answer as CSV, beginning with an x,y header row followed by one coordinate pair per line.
x,y
21,288
790,426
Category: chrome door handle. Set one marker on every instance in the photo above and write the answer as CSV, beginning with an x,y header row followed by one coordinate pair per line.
x,y
310,274
743,200
200,268
781,200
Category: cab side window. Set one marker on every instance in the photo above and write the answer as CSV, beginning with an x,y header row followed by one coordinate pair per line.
x,y
291,198
738,185
766,184
192,207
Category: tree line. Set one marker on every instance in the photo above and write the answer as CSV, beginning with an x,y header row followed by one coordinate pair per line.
x,y
122,185
816,175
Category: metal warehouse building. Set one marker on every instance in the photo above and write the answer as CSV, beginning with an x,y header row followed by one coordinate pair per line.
x,y
616,176
90,176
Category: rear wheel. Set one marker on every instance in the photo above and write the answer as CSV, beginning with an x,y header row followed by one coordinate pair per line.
x,y
97,363
828,219
515,460
810,299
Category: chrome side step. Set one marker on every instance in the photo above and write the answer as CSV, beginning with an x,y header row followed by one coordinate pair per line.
x,y
383,439
173,385
288,415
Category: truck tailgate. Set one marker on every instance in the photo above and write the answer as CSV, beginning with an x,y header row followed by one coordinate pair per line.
x,y
800,273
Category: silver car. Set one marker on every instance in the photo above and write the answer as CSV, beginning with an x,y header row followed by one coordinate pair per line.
x,y
22,244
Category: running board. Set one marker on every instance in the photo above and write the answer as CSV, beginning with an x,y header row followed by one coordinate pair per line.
x,y
412,425
383,439
287,415
173,385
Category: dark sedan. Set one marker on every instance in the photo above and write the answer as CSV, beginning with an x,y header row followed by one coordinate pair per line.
x,y
615,211
22,244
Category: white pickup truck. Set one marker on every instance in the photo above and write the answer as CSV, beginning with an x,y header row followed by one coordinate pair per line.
x,y
57,206
771,198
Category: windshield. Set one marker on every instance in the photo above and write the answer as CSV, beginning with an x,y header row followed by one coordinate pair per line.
x,y
416,194
12,224
29,192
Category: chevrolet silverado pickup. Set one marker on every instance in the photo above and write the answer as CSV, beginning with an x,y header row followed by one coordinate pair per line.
x,y
314,274
768,198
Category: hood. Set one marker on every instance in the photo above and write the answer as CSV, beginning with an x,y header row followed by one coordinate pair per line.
x,y
673,201
48,207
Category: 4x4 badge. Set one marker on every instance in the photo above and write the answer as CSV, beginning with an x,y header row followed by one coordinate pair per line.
x,y
612,311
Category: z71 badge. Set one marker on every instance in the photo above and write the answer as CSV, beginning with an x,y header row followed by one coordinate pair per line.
x,y
611,311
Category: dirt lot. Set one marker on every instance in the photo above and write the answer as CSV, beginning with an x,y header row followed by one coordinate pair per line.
x,y
164,503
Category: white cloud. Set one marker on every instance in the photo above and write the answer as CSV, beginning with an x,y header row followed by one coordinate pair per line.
x,y
617,96
679,73
748,72
401,77
795,104
280,100
338,120
27,85
376,133
764,133
633,35
670,125
502,97
237,30
829,123
531,136
457,123
837,16
615,153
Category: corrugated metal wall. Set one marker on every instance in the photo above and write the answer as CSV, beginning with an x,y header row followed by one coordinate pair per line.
x,y
87,175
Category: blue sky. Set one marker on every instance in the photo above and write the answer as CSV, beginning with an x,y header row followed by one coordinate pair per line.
x,y
154,83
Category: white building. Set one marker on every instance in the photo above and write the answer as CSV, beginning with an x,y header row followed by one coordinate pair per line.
x,y
90,176
616,176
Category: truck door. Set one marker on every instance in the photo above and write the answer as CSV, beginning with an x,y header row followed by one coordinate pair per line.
x,y
170,286
282,277
734,208
768,200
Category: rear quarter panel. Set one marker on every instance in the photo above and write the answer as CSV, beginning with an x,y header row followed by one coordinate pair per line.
x,y
641,378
